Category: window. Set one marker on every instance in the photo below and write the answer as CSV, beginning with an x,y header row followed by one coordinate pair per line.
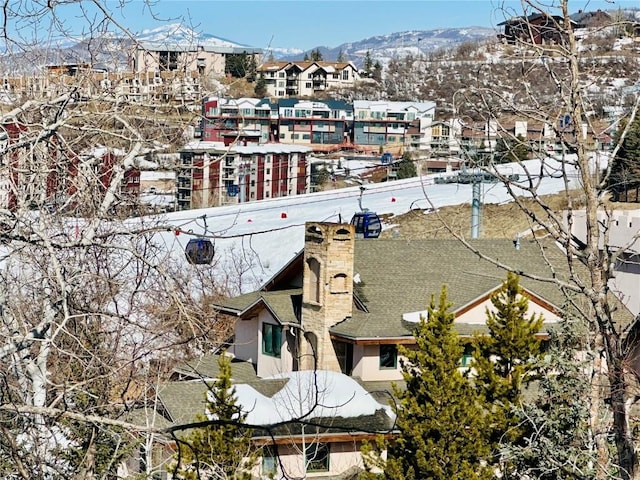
x,y
317,457
269,464
314,280
271,339
339,283
388,356
336,76
307,85
345,75
467,356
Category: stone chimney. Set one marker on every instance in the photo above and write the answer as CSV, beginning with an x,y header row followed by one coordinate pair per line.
x,y
327,292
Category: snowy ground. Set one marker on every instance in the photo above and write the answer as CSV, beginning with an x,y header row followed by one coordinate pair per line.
x,y
270,232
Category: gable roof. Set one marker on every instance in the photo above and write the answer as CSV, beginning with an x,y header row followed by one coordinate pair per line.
x,y
416,269
283,304
206,367
396,277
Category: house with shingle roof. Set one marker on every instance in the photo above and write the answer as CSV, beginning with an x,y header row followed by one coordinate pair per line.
x,y
347,304
334,317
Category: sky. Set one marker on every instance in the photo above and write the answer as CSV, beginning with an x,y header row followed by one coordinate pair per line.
x,y
306,24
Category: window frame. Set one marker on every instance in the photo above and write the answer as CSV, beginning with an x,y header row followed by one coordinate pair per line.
x,y
393,350
269,463
321,465
272,344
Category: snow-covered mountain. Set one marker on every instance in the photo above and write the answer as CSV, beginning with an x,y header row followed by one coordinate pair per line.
x,y
110,49
400,44
177,33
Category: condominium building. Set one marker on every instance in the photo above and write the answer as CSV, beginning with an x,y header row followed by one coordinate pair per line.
x,y
306,79
212,174
204,60
241,120
393,125
319,123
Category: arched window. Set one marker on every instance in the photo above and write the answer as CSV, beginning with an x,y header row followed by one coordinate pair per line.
x,y
314,280
339,283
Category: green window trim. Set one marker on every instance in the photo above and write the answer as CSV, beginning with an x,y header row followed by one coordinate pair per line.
x,y
271,339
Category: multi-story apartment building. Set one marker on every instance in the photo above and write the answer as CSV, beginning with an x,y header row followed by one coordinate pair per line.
x,y
50,175
307,79
444,139
242,120
211,174
319,123
393,125
204,60
543,138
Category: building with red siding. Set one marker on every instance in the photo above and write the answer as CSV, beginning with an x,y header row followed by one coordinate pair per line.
x,y
212,174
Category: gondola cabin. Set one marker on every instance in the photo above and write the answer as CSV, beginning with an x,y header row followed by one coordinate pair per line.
x,y
199,251
367,224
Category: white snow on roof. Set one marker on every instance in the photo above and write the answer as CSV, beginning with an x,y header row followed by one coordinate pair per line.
x,y
157,175
382,105
219,147
309,393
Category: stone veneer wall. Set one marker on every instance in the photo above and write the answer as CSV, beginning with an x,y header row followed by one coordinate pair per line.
x,y
332,246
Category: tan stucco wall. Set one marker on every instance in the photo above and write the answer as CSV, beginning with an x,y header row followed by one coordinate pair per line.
x,y
366,364
343,456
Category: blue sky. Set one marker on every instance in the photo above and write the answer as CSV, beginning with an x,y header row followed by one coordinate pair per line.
x,y
307,24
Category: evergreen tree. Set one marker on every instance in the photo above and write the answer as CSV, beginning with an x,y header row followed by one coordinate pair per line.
x,y
377,71
252,66
406,167
368,64
558,443
306,57
222,449
505,358
340,58
512,150
440,420
238,65
260,88
316,55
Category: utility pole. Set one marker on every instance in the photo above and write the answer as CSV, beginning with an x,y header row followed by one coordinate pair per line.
x,y
475,207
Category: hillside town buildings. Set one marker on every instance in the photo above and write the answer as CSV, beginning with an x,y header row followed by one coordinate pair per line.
x,y
307,79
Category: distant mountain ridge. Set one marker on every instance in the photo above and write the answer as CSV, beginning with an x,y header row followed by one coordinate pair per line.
x,y
110,50
400,44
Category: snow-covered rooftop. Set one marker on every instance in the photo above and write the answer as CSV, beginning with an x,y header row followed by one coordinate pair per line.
x,y
309,393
